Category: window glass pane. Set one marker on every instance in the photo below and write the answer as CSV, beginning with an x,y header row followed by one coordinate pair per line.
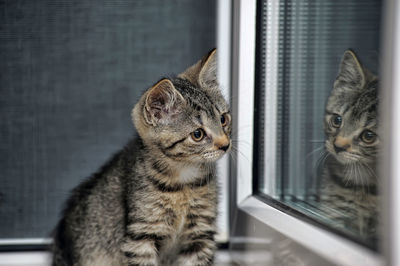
x,y
316,107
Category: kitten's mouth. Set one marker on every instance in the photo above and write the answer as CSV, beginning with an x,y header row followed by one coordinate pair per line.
x,y
347,157
213,155
344,157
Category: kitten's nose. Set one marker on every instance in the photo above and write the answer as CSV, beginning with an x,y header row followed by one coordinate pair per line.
x,y
222,143
225,148
340,149
341,144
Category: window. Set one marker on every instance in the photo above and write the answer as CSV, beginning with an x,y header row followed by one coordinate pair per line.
x,y
277,210
299,160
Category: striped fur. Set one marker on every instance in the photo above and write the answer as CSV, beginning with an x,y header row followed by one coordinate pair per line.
x,y
349,180
155,202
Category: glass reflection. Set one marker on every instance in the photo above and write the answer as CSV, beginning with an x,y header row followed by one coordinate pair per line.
x,y
348,179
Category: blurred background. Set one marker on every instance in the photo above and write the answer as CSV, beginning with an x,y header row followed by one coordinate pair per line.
x,y
70,73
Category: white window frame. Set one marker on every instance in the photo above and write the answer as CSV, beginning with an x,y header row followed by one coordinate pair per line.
x,y
248,211
224,44
390,108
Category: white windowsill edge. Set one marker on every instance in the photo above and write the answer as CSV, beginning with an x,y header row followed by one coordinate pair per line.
x,y
25,241
33,258
330,246
25,258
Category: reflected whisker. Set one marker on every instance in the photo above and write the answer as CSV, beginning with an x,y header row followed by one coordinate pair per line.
x,y
314,151
360,180
321,160
316,141
371,173
370,170
363,180
348,173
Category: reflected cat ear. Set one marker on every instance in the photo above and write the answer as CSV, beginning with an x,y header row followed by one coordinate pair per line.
x,y
204,72
351,70
163,103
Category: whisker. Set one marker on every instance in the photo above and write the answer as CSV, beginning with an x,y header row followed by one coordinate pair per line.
x,y
357,174
241,142
232,157
347,173
321,160
359,179
316,141
327,154
314,151
371,173
363,180
235,131
237,151
370,170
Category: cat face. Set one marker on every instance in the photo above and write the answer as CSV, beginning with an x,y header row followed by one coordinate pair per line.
x,y
351,115
186,118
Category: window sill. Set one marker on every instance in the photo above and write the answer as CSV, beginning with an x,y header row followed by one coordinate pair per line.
x,y
34,258
43,258
326,245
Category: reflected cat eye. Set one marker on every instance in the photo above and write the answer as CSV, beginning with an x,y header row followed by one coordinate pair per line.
x,y
198,134
336,120
224,120
368,136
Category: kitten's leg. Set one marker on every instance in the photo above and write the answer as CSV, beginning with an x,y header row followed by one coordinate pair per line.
x,y
140,249
198,251
198,245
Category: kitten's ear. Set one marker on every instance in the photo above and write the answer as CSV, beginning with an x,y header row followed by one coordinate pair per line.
x,y
208,73
351,70
163,103
204,72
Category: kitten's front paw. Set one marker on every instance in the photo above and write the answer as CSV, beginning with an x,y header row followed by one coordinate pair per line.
x,y
139,253
197,254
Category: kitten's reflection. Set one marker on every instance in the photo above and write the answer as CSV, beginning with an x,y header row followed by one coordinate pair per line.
x,y
349,181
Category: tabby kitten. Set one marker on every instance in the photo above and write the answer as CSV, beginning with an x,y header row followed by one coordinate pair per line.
x,y
351,121
155,202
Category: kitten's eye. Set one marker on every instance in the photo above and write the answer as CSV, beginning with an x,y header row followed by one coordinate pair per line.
x,y
368,136
336,121
224,120
198,134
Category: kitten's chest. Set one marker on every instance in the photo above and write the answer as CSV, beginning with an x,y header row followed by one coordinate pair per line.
x,y
189,200
187,175
195,189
